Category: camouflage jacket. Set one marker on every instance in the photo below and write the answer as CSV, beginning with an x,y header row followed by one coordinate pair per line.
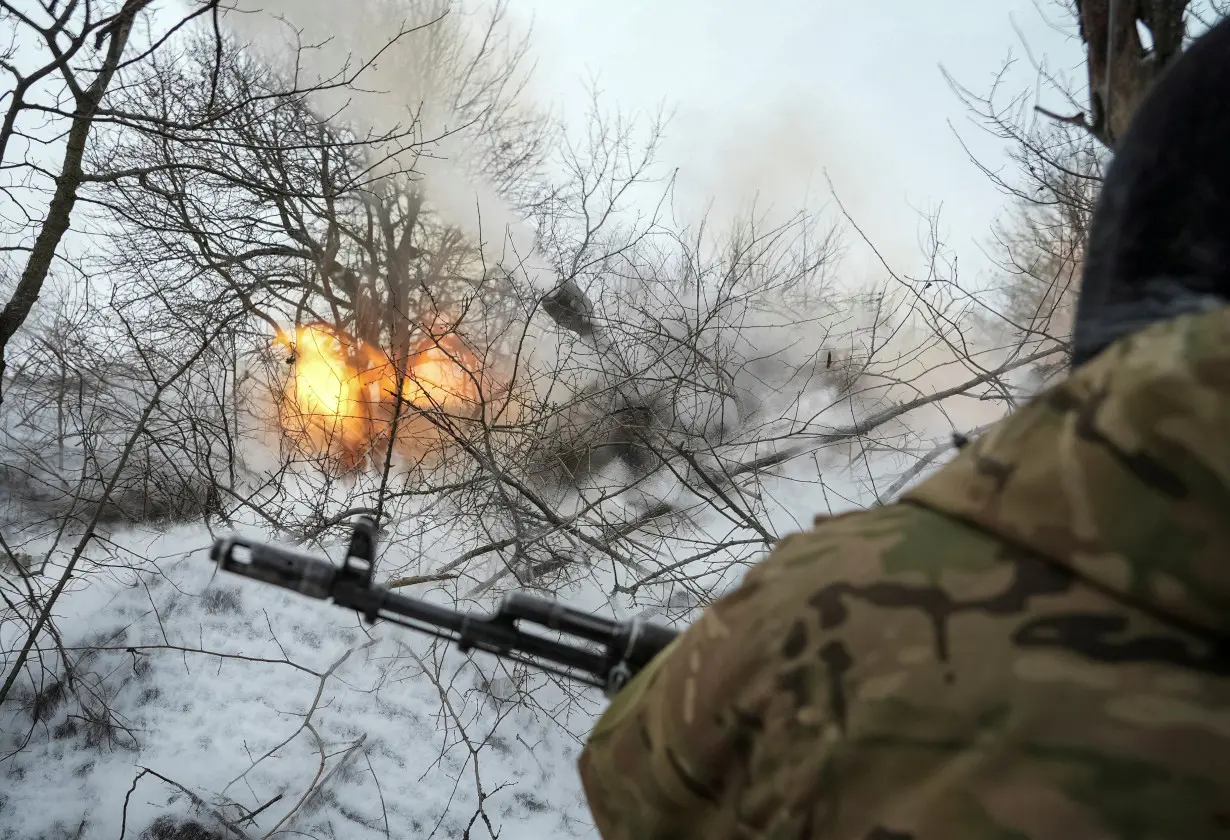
x,y
1034,644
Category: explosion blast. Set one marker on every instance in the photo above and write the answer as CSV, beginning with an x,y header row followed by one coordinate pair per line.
x,y
342,393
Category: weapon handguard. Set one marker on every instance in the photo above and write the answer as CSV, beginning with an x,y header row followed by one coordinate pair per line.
x,y
622,647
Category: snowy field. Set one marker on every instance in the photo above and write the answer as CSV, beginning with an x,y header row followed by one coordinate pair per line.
x,y
241,695
231,701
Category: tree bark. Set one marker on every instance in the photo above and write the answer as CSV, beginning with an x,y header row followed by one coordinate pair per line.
x,y
1121,70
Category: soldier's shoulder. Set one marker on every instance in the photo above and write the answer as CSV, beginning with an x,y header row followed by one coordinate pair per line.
x,y
1121,472
889,542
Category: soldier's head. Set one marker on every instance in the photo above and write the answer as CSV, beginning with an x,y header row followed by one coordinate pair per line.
x,y
1159,245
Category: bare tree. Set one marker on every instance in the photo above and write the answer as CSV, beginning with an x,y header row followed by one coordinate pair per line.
x,y
1121,66
63,60
1059,153
132,390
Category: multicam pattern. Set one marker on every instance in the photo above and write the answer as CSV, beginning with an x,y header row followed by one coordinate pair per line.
x,y
1033,645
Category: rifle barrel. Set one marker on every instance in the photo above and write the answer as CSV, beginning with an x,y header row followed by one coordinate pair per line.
x,y
622,647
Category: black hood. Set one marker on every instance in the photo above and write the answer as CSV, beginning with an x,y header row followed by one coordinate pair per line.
x,y
1159,244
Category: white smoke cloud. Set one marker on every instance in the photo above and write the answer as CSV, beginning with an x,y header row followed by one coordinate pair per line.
x,y
781,156
412,81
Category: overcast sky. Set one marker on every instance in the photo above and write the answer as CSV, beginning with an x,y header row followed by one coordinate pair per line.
x,y
775,93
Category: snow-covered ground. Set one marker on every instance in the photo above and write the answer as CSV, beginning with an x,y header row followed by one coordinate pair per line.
x,y
346,715
227,696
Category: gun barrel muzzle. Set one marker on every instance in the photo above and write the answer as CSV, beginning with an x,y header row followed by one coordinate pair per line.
x,y
303,573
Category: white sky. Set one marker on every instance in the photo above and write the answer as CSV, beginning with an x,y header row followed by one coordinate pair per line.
x,y
769,97
775,93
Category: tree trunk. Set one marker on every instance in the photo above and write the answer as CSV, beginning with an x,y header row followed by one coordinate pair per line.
x,y
60,209
1121,71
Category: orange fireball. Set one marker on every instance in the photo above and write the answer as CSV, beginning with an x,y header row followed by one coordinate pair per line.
x,y
341,393
437,380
